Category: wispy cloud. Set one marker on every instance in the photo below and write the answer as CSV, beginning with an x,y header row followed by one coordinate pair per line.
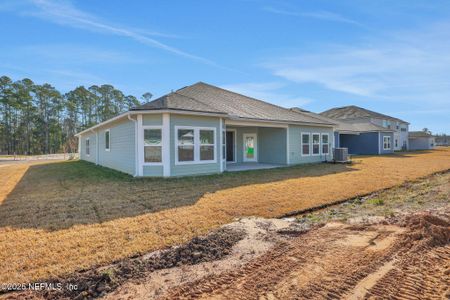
x,y
268,91
66,14
405,66
320,15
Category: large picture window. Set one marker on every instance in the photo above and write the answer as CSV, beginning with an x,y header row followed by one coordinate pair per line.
x,y
107,140
195,145
315,144
386,143
325,144
152,145
305,144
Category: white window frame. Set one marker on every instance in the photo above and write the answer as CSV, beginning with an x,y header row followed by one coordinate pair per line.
x,y
143,145
389,143
109,145
302,144
312,144
321,143
87,141
197,145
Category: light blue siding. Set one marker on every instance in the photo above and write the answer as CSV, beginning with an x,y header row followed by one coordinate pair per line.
x,y
271,144
92,147
193,121
122,154
152,120
421,143
295,144
154,171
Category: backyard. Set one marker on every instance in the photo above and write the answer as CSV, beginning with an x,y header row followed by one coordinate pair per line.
x,y
59,217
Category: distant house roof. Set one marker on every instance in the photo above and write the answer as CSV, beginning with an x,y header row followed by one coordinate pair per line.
x,y
202,97
355,112
419,134
342,126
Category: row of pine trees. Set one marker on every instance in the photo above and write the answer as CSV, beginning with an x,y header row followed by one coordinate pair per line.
x,y
38,119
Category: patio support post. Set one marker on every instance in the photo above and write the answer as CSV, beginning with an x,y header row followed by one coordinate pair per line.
x,y
166,144
221,129
140,143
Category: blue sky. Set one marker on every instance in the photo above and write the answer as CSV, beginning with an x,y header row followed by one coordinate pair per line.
x,y
389,56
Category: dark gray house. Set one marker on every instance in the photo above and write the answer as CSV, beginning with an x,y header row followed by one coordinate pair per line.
x,y
363,131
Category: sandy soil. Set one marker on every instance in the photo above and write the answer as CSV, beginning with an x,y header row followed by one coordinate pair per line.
x,y
406,259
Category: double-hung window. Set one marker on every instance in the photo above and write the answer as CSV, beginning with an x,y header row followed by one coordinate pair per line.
x,y
315,143
88,148
107,140
195,145
386,143
305,144
152,145
325,144
206,144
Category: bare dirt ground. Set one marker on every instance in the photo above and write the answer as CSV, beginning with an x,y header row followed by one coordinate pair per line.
x,y
408,260
393,244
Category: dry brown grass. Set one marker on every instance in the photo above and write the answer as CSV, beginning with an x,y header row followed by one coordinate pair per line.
x,y
59,217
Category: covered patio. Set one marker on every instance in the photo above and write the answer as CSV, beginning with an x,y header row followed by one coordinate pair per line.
x,y
254,146
247,166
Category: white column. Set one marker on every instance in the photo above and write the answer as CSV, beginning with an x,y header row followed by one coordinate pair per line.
x,y
221,145
96,147
288,156
79,147
166,144
140,143
379,142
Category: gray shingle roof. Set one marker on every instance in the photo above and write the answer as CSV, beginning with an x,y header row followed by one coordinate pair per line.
x,y
343,126
417,134
177,101
202,97
355,112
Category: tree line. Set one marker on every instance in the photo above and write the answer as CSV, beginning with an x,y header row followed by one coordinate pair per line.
x,y
39,119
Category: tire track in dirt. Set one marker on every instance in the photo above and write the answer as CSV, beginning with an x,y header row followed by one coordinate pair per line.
x,y
342,262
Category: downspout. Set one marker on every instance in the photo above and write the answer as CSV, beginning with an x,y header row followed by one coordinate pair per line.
x,y
136,165
96,145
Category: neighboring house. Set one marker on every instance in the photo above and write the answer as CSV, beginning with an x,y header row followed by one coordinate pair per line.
x,y
442,140
363,131
203,129
421,140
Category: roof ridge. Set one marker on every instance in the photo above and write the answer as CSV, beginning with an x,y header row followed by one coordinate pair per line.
x,y
308,113
196,100
236,93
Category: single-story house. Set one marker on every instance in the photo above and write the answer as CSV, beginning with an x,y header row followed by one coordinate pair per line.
x,y
421,140
363,131
204,129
